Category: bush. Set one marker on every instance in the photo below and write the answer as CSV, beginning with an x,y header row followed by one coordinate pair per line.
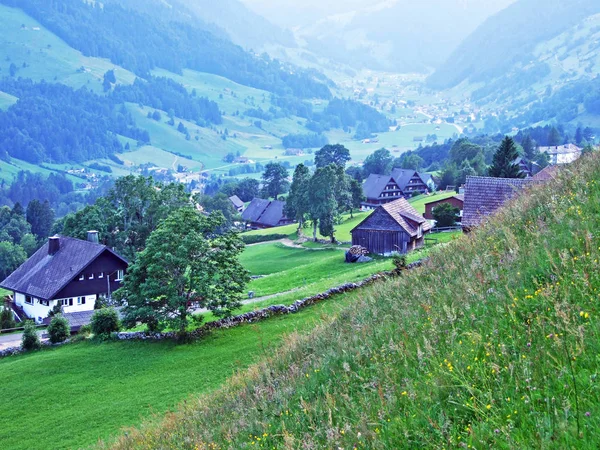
x,y
400,262
255,239
30,340
59,329
101,302
105,321
7,319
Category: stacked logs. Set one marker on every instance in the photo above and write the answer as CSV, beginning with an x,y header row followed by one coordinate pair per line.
x,y
355,253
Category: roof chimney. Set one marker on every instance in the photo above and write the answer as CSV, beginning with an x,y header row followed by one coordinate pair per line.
x,y
53,245
93,237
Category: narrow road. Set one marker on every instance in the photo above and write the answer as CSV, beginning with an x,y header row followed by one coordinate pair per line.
x,y
14,340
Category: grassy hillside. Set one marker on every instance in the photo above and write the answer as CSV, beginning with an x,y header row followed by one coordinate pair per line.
x,y
492,345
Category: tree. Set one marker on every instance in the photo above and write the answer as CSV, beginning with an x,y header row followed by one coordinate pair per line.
x,y
275,180
30,339
332,154
358,196
186,265
503,164
378,162
59,329
220,202
529,148
247,189
578,136
322,200
297,205
41,218
445,215
448,176
11,257
412,162
554,137
7,318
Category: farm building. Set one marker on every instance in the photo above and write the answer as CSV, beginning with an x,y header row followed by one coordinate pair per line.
x,y
382,189
393,227
237,203
485,195
562,154
457,201
262,214
67,272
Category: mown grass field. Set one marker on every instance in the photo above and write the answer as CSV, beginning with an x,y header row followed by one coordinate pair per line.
x,y
71,396
493,344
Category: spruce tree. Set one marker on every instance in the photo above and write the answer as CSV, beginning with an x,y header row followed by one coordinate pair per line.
x,y
504,163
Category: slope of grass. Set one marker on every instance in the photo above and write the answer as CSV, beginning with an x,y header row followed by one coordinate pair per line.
x,y
419,202
70,396
493,344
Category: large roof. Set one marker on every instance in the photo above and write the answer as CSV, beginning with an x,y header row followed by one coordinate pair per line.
x,y
375,185
407,217
264,212
44,275
485,195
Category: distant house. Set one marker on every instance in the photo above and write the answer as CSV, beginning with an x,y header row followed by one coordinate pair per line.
x,y
237,203
68,272
393,227
485,195
562,154
528,168
294,152
262,214
457,201
382,189
242,160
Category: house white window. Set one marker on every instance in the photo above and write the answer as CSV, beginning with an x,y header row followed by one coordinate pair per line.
x,y
29,299
81,277
81,300
120,275
101,275
44,302
91,277
66,302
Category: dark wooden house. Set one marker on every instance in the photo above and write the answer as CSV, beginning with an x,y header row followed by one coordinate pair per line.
x,y
262,214
68,272
382,189
393,227
457,201
485,195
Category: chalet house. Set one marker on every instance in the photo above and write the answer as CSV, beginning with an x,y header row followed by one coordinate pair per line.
x,y
68,272
485,195
562,154
392,227
457,201
262,214
382,189
237,203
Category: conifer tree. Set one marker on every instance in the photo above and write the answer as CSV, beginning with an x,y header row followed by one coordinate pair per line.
x,y
504,163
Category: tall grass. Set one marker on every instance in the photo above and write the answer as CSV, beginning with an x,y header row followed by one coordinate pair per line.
x,y
493,344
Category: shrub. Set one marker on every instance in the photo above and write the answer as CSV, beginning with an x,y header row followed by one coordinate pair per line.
x,y
59,329
399,262
56,310
105,321
85,330
255,239
101,302
7,319
30,340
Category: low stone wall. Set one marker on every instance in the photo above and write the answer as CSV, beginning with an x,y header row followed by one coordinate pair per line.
x,y
249,317
265,313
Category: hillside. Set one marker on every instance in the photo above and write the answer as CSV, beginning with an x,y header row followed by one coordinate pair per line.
x,y
492,345
508,39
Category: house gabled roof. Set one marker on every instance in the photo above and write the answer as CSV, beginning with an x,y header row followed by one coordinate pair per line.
x,y
375,184
407,217
548,173
44,275
264,212
237,202
485,195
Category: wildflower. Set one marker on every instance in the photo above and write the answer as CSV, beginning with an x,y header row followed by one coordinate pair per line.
x,y
488,407
588,414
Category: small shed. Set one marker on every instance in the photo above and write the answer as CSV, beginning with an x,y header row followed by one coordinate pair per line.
x,y
393,227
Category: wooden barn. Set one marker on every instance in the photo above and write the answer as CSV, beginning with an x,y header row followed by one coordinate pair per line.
x,y
393,227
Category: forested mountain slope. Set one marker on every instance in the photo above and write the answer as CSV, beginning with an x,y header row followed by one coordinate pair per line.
x,y
493,344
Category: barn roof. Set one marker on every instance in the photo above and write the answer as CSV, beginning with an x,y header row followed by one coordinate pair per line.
x,y
237,202
264,212
485,195
403,214
45,275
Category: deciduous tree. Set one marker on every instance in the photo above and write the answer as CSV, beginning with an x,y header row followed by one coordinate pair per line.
x,y
275,180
